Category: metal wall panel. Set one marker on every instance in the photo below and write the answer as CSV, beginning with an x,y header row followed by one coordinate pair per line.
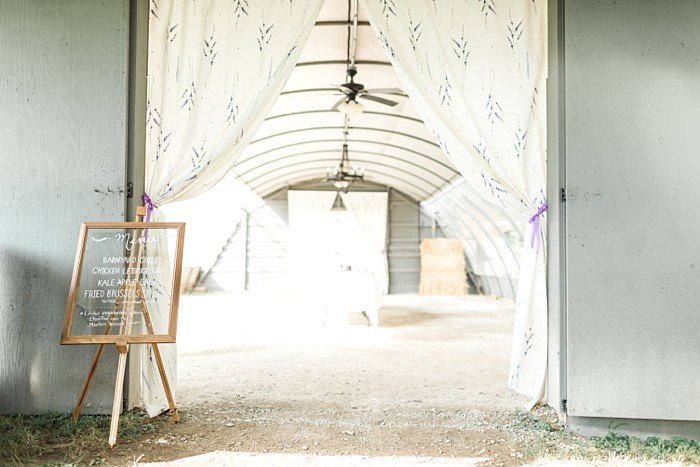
x,y
556,233
255,256
267,242
228,272
63,114
403,237
632,105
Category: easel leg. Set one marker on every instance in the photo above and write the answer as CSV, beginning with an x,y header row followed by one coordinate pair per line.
x,y
117,404
88,382
95,362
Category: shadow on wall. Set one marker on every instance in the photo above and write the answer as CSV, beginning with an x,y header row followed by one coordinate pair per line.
x,y
37,374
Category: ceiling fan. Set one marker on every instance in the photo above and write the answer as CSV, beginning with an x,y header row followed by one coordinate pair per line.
x,y
352,91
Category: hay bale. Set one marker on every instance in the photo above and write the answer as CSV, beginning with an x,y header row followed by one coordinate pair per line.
x,y
442,269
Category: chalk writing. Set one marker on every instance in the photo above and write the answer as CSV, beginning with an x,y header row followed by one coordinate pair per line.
x,y
124,286
119,281
126,239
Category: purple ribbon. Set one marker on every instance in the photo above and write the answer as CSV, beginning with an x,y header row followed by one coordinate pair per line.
x,y
535,220
149,205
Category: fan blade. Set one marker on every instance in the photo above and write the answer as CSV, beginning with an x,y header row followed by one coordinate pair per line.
x,y
381,100
337,104
386,91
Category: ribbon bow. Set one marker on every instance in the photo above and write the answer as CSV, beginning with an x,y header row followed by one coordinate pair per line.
x,y
535,221
149,205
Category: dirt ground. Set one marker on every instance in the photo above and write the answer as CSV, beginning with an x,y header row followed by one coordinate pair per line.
x,y
277,380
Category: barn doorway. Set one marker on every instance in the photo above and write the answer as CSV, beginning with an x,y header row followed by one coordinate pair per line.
x,y
294,146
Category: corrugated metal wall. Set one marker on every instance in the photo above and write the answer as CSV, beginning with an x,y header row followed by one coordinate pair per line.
x,y
229,271
255,255
492,239
267,239
407,227
632,195
63,147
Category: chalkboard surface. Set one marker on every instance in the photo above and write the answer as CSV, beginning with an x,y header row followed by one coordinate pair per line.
x,y
126,283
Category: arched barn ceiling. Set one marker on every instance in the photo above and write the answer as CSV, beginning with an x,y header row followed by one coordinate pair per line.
x,y
303,135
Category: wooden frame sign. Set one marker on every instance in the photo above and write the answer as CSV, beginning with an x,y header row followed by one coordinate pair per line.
x,y
126,284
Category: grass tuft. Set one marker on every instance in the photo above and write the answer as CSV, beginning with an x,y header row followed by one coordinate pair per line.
x,y
24,438
652,448
541,436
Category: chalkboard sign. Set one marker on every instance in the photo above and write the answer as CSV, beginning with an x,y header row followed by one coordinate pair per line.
x,y
126,283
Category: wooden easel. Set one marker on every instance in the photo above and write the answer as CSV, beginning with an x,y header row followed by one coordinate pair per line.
x,y
133,288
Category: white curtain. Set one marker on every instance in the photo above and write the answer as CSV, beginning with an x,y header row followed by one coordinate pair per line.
x,y
307,211
215,69
370,210
476,72
307,207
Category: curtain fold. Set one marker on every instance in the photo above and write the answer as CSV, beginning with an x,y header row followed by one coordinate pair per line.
x,y
307,211
307,207
215,69
476,72
308,253
370,209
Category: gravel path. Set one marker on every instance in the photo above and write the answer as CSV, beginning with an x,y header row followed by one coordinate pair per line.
x,y
268,380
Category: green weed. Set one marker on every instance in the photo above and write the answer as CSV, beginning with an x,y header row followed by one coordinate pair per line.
x,y
541,435
652,448
24,438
